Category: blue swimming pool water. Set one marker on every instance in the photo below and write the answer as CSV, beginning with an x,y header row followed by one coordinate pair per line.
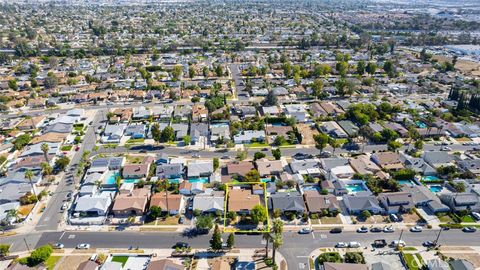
x,y
305,188
421,124
353,188
435,188
266,180
174,181
128,181
406,182
430,178
111,179
198,179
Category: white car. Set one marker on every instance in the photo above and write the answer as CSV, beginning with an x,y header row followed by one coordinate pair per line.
x,y
416,229
400,243
362,230
341,245
353,244
388,230
83,246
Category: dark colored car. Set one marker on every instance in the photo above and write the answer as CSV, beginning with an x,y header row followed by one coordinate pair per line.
x,y
375,230
380,243
469,229
181,245
336,230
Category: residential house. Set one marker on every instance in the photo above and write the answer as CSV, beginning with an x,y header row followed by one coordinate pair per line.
x,y
113,133
164,264
199,113
181,130
305,167
343,266
219,131
242,200
291,202
317,203
333,129
91,209
296,111
199,169
355,204
396,202
423,197
209,202
247,111
349,127
267,167
189,188
388,160
135,171
274,131
272,111
31,123
438,159
173,203
470,165
331,108
133,203
170,171
121,115
199,132
317,110
239,169
362,164
461,201
141,113
417,164
248,136
135,131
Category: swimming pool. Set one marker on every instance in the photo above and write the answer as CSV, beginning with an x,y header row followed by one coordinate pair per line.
x,y
421,124
435,188
130,181
306,188
428,178
174,181
198,180
406,182
112,178
354,188
266,180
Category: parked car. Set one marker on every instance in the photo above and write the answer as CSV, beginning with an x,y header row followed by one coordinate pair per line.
x,y
58,246
362,230
376,230
416,229
341,245
336,230
388,230
195,156
325,154
394,218
445,148
300,156
181,220
83,246
181,245
399,243
353,244
476,216
305,231
428,244
469,229
380,243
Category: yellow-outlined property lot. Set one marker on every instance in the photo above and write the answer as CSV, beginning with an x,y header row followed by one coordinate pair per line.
x,y
230,230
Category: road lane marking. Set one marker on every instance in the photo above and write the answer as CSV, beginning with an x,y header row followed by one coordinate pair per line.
x,y
71,236
313,235
301,265
61,236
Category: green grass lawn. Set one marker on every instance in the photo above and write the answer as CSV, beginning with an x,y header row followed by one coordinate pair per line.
x,y
257,144
52,261
331,220
444,218
66,147
120,259
141,140
411,262
468,219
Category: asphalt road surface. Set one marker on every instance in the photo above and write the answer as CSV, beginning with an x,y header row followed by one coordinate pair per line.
x,y
296,247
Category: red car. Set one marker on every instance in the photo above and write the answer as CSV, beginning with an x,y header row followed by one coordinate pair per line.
x,y
77,148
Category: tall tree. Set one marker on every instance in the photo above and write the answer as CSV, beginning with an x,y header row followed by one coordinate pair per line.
x,y
216,242
156,133
44,147
29,175
277,242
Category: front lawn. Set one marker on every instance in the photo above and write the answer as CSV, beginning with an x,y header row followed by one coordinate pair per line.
x,y
331,220
52,261
411,262
257,144
444,218
141,140
468,219
66,147
121,259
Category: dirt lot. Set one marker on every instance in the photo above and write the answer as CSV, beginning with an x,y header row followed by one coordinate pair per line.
x,y
307,132
410,218
71,262
467,67
375,219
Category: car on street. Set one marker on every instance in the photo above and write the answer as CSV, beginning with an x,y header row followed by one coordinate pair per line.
x,y
354,244
181,220
305,231
225,157
396,243
83,246
301,156
341,245
195,156
264,149
469,229
445,148
428,244
58,246
181,245
376,230
336,230
388,230
362,230
380,243
416,229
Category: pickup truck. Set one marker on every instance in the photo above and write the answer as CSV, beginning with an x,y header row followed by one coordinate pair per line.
x,y
380,243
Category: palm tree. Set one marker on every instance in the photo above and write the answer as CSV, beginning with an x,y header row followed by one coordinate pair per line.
x,y
45,149
277,226
277,242
29,175
46,168
266,236
164,185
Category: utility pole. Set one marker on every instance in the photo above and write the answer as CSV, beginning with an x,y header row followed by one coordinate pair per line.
x,y
399,238
438,236
26,244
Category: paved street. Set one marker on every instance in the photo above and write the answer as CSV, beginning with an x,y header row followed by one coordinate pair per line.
x,y
290,249
52,217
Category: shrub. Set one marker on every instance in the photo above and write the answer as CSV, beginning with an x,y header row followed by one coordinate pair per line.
x,y
354,257
333,257
4,248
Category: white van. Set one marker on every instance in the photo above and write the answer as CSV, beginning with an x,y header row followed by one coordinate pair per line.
x,y
396,243
353,244
476,216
